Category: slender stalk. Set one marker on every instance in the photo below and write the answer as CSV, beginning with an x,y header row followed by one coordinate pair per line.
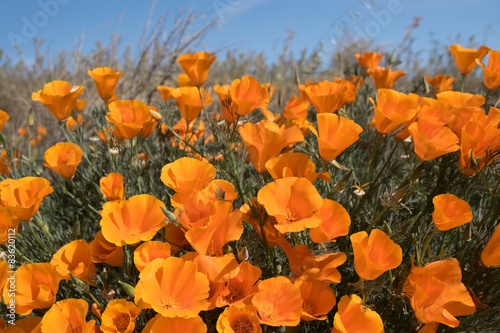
x,y
377,218
426,245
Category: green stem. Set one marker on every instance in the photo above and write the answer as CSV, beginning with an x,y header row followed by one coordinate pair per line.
x,y
36,237
83,199
377,218
426,245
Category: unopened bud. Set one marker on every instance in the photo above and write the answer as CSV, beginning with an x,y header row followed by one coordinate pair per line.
x,y
243,254
416,173
227,249
399,194
341,184
75,230
77,281
96,310
128,288
170,216
31,118
156,115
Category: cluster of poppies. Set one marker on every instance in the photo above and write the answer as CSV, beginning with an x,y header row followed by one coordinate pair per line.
x,y
185,254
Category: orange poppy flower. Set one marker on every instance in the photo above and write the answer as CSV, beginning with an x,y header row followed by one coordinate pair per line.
x,y
31,324
335,134
368,60
74,124
4,116
112,186
149,251
437,294
196,66
465,106
247,95
131,118
328,97
434,112
68,316
296,108
293,202
492,71
105,79
255,214
266,140
24,195
189,102
166,92
466,58
393,109
490,256
440,83
295,165
75,258
218,270
187,174
222,227
318,298
431,141
237,319
172,287
59,97
240,288
216,190
183,80
353,316
80,104
161,324
185,130
374,254
278,302
335,222
119,316
192,211
36,287
303,262
103,251
133,220
450,212
63,158
480,138
384,78
226,104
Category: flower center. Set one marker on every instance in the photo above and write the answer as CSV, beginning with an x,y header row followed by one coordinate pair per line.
x,y
243,325
289,215
234,294
168,302
122,323
308,308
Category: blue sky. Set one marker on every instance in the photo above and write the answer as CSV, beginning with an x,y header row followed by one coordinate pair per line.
x,y
259,25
